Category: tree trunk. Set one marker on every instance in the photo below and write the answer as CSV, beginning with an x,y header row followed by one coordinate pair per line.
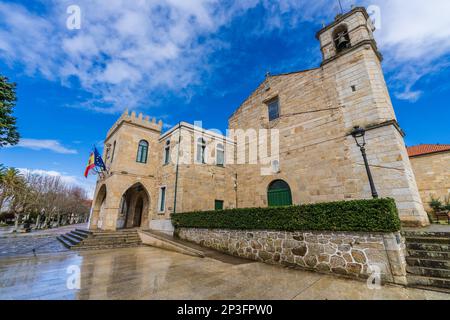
x,y
45,222
58,220
38,221
16,223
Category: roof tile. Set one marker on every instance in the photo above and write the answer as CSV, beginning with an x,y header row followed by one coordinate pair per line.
x,y
423,149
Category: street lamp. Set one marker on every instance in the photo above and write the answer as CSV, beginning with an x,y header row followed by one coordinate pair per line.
x,y
359,134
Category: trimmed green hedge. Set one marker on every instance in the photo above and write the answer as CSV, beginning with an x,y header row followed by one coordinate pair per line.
x,y
378,215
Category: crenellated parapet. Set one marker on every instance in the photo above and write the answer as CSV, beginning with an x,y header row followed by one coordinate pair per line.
x,y
138,120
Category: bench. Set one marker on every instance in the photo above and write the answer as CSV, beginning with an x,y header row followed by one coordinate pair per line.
x,y
442,215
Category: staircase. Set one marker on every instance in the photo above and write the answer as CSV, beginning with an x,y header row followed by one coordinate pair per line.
x,y
80,239
428,259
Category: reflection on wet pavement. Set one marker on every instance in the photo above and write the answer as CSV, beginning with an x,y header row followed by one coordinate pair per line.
x,y
150,273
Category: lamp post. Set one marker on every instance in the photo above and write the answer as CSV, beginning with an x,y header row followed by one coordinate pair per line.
x,y
359,134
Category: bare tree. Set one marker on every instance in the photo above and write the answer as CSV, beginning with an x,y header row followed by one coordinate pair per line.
x,y
46,198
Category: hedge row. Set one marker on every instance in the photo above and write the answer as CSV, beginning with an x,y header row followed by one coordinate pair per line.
x,y
378,215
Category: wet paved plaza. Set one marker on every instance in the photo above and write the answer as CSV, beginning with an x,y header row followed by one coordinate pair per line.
x,y
151,273
42,241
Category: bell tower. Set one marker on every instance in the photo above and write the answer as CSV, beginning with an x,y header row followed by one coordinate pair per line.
x,y
353,74
348,32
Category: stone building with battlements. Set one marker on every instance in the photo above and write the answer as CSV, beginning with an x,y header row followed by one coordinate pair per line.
x,y
301,123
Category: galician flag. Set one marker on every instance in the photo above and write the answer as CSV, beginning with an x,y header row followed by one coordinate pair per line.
x,y
95,160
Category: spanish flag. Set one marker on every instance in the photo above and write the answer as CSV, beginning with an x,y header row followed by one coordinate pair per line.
x,y
90,165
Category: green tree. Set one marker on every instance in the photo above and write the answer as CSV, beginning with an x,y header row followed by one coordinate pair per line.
x,y
11,182
8,129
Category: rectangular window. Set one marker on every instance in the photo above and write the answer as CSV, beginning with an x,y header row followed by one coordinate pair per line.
x,y
167,155
218,205
113,151
220,157
162,199
142,152
274,109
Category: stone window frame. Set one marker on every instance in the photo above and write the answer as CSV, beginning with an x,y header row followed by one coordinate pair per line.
x,y
166,156
142,157
160,199
220,149
204,146
341,28
269,102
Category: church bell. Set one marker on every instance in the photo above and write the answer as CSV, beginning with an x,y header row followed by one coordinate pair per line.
x,y
342,42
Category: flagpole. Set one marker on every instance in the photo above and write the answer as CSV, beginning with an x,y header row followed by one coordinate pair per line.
x,y
340,5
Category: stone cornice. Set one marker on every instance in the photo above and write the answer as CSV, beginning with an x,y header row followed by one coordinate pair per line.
x,y
392,122
353,48
341,18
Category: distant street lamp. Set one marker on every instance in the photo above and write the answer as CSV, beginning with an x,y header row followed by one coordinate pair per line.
x,y
359,134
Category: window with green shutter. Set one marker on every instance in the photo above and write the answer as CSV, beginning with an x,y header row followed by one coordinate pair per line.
x,y
218,205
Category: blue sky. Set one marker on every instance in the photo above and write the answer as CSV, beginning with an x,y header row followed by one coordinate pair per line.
x,y
193,60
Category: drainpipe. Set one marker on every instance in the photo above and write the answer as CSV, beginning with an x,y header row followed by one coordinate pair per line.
x,y
236,189
177,170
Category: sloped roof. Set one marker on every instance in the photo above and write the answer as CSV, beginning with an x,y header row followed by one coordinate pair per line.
x,y
423,149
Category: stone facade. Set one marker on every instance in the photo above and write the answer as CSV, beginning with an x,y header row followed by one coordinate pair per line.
x,y
318,110
432,173
316,155
196,186
356,255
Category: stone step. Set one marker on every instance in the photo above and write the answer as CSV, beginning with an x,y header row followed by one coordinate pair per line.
x,y
428,246
439,255
412,234
70,239
99,235
107,243
64,242
429,281
134,236
80,239
434,240
75,236
80,234
103,247
428,263
113,233
428,272
87,232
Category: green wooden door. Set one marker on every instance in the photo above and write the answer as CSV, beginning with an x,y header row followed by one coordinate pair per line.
x,y
219,205
279,197
279,194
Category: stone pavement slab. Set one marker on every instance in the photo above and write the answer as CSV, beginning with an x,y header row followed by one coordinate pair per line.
x,y
43,241
151,273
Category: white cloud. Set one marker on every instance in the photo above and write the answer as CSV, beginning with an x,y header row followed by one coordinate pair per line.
x,y
415,41
409,95
126,51
52,145
415,29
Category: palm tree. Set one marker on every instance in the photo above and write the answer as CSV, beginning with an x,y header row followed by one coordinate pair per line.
x,y
2,174
11,183
3,188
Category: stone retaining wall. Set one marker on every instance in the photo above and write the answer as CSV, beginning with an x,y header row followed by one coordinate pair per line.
x,y
353,254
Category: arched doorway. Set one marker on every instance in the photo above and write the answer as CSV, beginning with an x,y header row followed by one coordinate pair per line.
x,y
134,205
96,220
279,194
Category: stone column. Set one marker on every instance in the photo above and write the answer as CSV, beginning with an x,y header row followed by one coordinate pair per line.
x,y
395,250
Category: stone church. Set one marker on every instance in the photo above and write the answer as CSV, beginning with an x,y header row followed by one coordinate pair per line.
x,y
311,113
